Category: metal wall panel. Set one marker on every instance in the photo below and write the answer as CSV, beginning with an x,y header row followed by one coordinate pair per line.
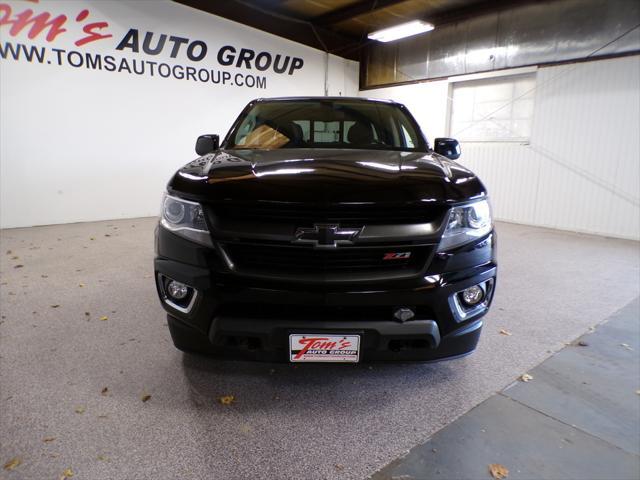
x,y
581,169
411,60
446,52
530,34
480,56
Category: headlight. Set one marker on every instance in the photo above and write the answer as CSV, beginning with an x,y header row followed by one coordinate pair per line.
x,y
466,223
185,218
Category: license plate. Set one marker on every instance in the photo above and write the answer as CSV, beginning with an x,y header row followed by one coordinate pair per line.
x,y
324,348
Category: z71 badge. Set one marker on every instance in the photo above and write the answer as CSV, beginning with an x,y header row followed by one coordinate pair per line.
x,y
396,256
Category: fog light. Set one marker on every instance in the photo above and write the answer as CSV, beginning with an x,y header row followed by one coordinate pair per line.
x,y
472,295
177,290
403,314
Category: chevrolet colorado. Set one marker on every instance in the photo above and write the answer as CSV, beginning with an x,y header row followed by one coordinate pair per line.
x,y
325,229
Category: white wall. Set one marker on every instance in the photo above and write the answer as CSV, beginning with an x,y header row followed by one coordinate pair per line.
x,y
580,170
80,144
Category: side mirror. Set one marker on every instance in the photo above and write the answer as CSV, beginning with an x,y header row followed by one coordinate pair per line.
x,y
207,144
447,147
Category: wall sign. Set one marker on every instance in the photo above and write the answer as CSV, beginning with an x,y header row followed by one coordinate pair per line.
x,y
156,54
117,91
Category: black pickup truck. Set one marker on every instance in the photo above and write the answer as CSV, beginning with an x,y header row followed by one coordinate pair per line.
x,y
325,229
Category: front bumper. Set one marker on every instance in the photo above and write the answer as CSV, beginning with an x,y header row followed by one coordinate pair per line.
x,y
380,341
252,318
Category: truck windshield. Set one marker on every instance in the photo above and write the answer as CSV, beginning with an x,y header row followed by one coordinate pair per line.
x,y
327,123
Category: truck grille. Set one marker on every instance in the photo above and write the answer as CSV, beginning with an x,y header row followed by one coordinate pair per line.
x,y
344,214
285,259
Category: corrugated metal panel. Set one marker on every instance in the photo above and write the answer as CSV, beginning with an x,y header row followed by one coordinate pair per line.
x,y
527,34
509,171
581,170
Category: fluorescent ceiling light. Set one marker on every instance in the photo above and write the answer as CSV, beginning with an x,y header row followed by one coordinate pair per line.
x,y
401,31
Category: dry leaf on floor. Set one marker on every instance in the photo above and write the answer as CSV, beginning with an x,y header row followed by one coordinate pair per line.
x,y
504,332
626,345
13,463
146,397
91,238
498,471
81,285
55,306
103,458
68,473
86,314
48,439
526,377
80,409
582,343
44,276
227,399
15,257
18,266
105,391
104,317
339,466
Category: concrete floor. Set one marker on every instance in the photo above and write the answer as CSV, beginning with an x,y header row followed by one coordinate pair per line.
x,y
314,421
578,418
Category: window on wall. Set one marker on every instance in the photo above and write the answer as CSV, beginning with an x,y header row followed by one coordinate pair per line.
x,y
497,109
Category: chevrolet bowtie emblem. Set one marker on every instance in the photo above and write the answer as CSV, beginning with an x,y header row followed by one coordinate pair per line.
x,y
326,235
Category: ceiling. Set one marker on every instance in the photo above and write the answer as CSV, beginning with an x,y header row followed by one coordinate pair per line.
x,y
341,26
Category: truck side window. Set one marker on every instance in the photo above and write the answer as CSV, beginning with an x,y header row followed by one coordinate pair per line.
x,y
305,125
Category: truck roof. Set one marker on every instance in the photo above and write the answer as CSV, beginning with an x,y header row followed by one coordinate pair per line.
x,y
313,98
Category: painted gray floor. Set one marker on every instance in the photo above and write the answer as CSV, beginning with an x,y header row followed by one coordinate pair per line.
x,y
578,418
314,422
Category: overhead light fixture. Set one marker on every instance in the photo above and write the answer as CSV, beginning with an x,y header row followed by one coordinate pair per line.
x,y
401,31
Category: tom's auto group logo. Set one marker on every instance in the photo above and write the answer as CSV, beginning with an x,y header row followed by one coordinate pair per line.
x,y
190,59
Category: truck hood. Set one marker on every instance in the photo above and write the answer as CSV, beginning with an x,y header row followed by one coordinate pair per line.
x,y
325,176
